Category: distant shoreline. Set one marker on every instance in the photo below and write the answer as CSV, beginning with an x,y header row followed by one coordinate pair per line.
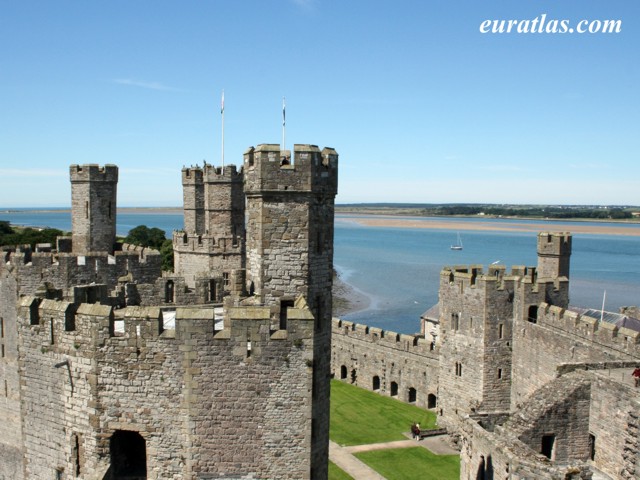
x,y
150,210
495,224
379,219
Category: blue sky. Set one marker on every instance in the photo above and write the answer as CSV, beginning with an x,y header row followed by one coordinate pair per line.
x,y
419,104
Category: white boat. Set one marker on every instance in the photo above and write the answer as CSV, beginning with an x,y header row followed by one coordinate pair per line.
x,y
458,245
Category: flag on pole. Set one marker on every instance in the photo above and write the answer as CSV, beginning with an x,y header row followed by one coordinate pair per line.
x,y
283,112
222,103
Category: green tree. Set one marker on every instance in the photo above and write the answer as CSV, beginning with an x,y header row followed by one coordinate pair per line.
x,y
153,238
5,227
146,237
167,255
27,236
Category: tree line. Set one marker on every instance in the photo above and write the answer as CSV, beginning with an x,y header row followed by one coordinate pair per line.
x,y
535,212
141,235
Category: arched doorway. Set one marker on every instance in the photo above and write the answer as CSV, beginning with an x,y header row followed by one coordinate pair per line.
x,y
343,372
413,395
431,401
376,383
128,456
394,389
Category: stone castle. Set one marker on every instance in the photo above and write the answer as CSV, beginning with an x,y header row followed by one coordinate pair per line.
x,y
112,369
528,387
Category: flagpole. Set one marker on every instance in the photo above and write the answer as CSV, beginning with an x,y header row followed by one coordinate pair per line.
x,y
284,145
222,113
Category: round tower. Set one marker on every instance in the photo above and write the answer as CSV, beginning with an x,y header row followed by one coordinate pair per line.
x,y
93,207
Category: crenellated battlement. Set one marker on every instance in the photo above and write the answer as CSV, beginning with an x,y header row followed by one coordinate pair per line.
x,y
587,329
192,176
64,270
211,174
205,244
554,254
81,328
497,277
267,169
93,173
230,173
473,276
554,243
401,342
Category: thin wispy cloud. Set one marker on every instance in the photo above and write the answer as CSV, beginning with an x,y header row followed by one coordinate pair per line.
x,y
130,82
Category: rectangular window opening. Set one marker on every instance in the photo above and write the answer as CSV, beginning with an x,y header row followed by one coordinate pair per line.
x,y
284,305
547,445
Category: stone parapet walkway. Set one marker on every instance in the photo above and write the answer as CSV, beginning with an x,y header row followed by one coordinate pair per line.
x,y
343,456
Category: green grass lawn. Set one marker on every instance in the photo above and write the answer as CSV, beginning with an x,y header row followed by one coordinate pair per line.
x,y
359,417
412,463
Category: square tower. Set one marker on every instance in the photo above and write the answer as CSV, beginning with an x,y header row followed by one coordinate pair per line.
x,y
93,207
290,210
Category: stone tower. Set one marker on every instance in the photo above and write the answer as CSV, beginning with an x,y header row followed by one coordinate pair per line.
x,y
290,210
93,207
212,243
476,318
193,200
479,312
554,253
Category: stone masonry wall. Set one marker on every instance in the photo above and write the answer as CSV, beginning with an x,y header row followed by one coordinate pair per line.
x,y
65,270
560,409
206,402
364,352
563,337
615,423
500,455
58,388
11,465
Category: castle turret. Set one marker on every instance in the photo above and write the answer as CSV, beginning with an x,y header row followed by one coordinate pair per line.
x,y
193,200
93,207
290,210
212,243
476,318
224,203
554,253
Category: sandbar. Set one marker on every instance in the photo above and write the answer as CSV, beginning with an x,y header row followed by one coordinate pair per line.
x,y
627,229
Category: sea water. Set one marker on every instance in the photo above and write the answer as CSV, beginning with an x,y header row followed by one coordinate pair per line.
x,y
398,269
